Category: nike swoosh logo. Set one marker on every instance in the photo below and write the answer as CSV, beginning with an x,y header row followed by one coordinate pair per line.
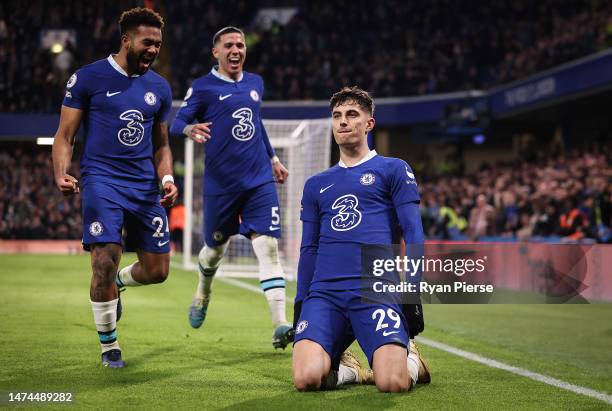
x,y
109,94
161,244
323,189
272,228
388,333
221,98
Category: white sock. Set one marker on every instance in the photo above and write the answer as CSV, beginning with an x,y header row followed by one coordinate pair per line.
x,y
209,260
105,318
346,375
413,366
124,277
271,277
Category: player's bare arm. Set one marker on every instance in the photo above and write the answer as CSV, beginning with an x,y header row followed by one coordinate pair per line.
x,y
163,163
200,133
70,119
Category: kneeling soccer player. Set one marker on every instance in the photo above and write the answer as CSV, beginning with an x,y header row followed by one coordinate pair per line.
x,y
357,202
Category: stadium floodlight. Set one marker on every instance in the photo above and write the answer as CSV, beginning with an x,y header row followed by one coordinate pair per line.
x,y
304,147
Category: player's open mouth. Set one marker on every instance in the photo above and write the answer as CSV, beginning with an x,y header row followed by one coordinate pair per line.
x,y
146,61
234,62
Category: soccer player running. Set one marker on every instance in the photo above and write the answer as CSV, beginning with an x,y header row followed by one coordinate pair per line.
x,y
239,172
359,201
123,106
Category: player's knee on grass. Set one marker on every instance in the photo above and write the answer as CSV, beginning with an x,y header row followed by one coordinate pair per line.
x,y
311,366
390,368
211,256
308,379
392,382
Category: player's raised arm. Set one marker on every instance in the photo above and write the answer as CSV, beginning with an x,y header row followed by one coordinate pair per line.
x,y
163,162
70,119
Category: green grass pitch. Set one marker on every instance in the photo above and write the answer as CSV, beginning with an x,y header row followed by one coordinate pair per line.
x,y
49,344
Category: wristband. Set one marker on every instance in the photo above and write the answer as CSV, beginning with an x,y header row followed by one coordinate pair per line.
x,y
275,160
167,179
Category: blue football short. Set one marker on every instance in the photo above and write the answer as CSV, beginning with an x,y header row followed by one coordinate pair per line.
x,y
334,319
107,209
251,211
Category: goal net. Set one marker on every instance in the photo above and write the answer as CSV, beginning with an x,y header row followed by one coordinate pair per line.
x,y
304,148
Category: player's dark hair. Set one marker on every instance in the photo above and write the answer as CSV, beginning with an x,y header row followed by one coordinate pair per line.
x,y
354,94
139,16
225,30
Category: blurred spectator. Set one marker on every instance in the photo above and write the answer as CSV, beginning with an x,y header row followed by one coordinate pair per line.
x,y
482,218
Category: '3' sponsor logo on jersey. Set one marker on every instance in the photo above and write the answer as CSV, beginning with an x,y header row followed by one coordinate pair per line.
x,y
348,216
245,129
133,133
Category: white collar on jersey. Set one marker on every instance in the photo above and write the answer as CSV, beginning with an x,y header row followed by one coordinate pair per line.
x,y
215,72
117,67
367,157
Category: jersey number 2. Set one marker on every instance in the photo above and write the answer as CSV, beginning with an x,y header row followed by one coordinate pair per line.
x,y
159,222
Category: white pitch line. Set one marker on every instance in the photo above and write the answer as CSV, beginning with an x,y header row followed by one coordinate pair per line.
x,y
517,370
607,398
241,284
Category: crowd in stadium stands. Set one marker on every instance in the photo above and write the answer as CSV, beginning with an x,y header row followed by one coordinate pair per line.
x,y
31,207
552,196
564,197
399,48
393,48
34,79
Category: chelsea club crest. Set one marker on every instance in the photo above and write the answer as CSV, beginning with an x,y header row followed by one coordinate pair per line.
x,y
150,98
367,179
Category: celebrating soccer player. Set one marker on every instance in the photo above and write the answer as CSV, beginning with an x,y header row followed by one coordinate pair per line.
x,y
239,173
123,106
360,201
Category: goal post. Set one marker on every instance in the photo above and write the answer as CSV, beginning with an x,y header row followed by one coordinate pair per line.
x,y
304,148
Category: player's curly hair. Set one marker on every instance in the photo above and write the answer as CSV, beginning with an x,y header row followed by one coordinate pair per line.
x,y
139,16
353,94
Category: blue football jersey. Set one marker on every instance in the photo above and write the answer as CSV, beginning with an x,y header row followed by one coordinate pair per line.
x,y
237,158
354,206
119,112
